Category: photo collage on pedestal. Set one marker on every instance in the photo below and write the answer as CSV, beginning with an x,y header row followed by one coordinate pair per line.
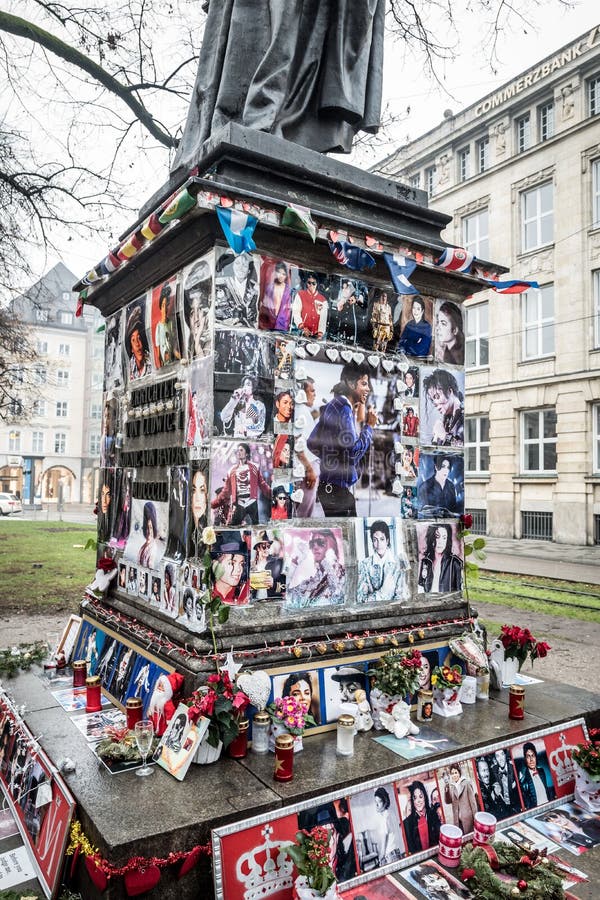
x,y
251,394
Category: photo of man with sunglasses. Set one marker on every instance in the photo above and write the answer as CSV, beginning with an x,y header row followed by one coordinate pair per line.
x,y
309,309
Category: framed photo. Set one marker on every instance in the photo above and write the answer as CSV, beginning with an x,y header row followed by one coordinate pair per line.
x,y
66,642
180,742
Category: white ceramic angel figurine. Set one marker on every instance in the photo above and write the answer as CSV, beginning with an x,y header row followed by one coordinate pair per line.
x,y
102,580
398,721
363,717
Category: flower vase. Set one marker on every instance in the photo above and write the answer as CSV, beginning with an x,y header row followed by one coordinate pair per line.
x,y
302,891
206,753
278,728
587,789
446,702
510,668
381,702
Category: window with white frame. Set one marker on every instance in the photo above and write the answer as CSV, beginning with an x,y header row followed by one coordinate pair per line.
x,y
60,442
537,217
40,375
62,409
65,318
476,233
464,163
538,322
596,417
523,126
41,315
97,380
64,349
477,336
538,430
546,120
14,442
62,378
415,180
95,411
95,444
42,347
477,444
39,408
37,441
430,180
594,95
482,149
596,293
596,193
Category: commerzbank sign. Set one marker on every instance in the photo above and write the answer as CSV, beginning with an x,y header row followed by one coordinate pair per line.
x,y
539,73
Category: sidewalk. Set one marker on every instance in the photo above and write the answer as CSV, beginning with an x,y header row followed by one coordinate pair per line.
x,y
568,562
77,513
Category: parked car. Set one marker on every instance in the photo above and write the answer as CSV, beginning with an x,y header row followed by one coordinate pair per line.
x,y
9,503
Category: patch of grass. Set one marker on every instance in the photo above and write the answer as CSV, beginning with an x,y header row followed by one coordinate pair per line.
x,y
40,570
532,594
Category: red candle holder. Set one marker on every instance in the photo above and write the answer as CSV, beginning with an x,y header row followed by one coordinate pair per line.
x,y
516,702
93,694
79,673
284,757
238,748
134,711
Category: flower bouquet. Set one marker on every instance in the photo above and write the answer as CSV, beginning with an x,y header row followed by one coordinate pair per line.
x,y
395,676
519,644
223,704
312,858
446,682
288,715
586,757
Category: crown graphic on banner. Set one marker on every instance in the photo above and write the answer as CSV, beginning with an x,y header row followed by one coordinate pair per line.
x,y
265,870
561,762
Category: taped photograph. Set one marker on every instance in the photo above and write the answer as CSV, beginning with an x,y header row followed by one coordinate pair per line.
x,y
440,558
383,565
315,570
240,482
136,344
236,288
197,301
163,324
440,485
442,407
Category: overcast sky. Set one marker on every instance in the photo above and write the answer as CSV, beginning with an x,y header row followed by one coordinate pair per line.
x,y
464,79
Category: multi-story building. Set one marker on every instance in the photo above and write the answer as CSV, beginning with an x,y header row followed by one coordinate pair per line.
x,y
519,171
50,444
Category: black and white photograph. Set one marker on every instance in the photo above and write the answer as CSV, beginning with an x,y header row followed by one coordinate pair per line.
x,y
340,684
383,565
533,773
178,513
197,301
240,483
113,352
440,561
498,784
449,344
267,577
349,312
136,344
442,407
106,504
335,818
192,614
315,569
155,589
122,509
440,485
168,598
435,883
243,352
377,830
143,583
236,288
132,579
569,826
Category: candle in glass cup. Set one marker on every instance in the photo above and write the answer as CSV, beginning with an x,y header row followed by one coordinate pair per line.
x,y
79,672
284,757
238,748
516,702
93,694
134,712
345,735
261,724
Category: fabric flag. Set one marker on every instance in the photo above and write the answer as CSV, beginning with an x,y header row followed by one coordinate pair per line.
x,y
455,259
300,219
151,227
511,287
129,247
351,256
92,276
238,228
400,270
177,206
79,310
110,263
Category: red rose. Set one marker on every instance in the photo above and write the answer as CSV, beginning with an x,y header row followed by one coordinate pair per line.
x,y
541,649
106,564
467,520
466,874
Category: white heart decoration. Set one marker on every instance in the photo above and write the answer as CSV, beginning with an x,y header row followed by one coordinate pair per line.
x,y
300,373
388,364
297,496
346,355
358,358
256,686
373,361
301,352
313,349
332,354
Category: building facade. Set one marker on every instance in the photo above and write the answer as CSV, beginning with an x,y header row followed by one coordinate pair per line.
x,y
50,443
519,171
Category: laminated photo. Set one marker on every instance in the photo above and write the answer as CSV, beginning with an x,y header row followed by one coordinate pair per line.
x,y
196,308
440,558
180,742
198,511
236,288
414,328
497,783
148,529
278,278
440,485
316,575
449,333
435,883
442,407
136,344
349,312
113,352
334,817
310,304
281,503
380,840
192,614
340,684
458,794
303,686
384,305
383,565
533,773
240,483
178,513
243,353
267,578
243,406
163,323
122,511
110,427
168,598
199,403
420,799
283,410
230,556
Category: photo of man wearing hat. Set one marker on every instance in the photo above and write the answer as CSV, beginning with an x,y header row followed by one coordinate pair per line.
x,y
136,340
341,683
267,581
230,568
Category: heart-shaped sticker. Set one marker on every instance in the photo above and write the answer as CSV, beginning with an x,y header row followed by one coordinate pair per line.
x,y
388,364
332,354
358,358
373,361
313,349
346,355
256,686
300,352
139,881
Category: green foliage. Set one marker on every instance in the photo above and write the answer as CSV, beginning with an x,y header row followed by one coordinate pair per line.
x,y
21,658
543,880
310,855
397,672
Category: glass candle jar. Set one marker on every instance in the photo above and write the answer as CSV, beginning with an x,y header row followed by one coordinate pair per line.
x,y
261,724
134,711
238,748
424,706
284,757
345,735
79,672
516,702
483,686
93,694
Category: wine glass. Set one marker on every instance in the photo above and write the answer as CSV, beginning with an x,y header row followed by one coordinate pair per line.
x,y
144,732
